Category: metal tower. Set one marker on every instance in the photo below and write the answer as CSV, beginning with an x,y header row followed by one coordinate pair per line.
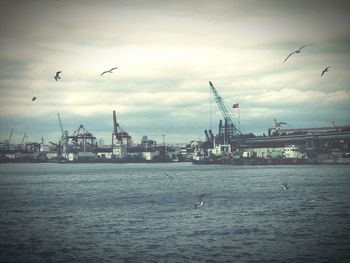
x,y
82,139
230,128
64,139
119,136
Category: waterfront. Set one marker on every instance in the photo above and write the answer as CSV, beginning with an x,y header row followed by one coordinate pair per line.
x,y
136,213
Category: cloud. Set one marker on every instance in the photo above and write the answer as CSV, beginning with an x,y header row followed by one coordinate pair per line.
x,y
166,53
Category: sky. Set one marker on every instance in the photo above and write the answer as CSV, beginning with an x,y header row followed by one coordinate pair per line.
x,y
166,53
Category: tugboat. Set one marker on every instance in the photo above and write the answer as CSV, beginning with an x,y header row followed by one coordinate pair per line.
x,y
217,155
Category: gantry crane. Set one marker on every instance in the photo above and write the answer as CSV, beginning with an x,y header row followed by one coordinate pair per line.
x,y
230,128
119,135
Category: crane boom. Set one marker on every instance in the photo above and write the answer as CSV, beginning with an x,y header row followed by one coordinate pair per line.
x,y
59,119
24,136
9,141
232,126
10,135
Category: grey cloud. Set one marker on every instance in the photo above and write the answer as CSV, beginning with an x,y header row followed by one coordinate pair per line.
x,y
239,45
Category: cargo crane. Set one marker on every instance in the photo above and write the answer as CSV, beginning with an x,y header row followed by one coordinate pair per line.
x,y
119,136
22,146
83,139
64,138
9,141
229,129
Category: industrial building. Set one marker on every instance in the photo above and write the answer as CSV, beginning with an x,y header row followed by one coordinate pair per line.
x,y
231,145
301,145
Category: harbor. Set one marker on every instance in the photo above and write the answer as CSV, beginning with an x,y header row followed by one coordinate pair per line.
x,y
281,144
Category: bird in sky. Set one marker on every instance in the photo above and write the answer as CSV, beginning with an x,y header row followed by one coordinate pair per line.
x,y
109,71
325,70
285,186
297,51
57,76
199,202
34,98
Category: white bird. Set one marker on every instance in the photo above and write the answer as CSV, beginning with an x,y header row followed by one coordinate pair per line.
x,y
309,202
109,71
199,202
285,186
297,51
57,76
169,176
325,70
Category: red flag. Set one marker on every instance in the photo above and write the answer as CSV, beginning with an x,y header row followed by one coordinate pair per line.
x,y
236,105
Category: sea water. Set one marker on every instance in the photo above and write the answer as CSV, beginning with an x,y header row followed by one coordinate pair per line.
x,y
145,213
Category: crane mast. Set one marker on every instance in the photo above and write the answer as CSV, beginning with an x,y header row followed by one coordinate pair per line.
x,y
59,120
9,140
231,128
64,139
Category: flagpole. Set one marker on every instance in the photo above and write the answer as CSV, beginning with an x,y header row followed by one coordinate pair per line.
x,y
239,119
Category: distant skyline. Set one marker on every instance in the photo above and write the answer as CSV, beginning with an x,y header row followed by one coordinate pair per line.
x,y
166,53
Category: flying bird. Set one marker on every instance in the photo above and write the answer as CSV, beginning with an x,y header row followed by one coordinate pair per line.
x,y
57,76
34,98
296,51
109,71
199,202
169,176
285,186
325,70
323,198
309,202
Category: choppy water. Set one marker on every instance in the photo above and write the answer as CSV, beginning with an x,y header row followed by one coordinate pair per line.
x,y
135,213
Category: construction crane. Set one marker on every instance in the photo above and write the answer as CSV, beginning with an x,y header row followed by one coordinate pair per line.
x,y
230,128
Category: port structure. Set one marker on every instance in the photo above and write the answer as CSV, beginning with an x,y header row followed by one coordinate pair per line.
x,y
64,139
82,139
119,135
6,144
229,129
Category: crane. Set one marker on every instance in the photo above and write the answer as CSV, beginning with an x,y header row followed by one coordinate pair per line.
x,y
59,120
9,141
231,128
119,135
64,138
24,136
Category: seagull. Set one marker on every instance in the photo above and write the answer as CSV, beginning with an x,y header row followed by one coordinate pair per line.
x,y
109,71
57,76
325,70
323,198
285,186
309,202
169,176
199,202
297,51
34,98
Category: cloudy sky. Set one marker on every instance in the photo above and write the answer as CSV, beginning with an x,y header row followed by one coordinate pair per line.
x,y
167,52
